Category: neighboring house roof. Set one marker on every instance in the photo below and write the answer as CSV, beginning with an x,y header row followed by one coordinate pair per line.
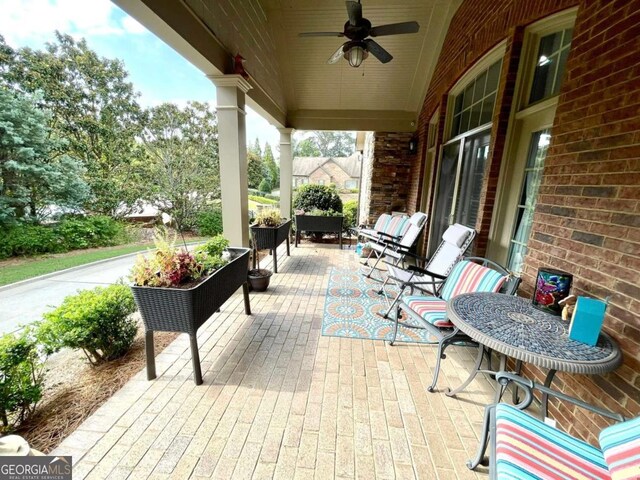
x,y
305,166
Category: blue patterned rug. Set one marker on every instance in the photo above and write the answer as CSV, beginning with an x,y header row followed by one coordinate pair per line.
x,y
351,310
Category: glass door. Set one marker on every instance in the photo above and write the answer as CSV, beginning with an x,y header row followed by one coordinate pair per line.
x,y
538,147
476,152
444,193
459,184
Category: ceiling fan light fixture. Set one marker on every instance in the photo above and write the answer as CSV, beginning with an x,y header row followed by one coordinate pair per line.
x,y
356,55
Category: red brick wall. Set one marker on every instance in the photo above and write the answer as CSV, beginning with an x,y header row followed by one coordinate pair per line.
x,y
391,171
588,215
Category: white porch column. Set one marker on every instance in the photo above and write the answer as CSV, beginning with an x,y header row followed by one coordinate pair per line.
x,y
286,171
232,144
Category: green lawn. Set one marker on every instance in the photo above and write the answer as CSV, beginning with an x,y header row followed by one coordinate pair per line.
x,y
33,267
15,270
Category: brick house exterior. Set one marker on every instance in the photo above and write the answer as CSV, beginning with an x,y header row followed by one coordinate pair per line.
x,y
343,172
587,214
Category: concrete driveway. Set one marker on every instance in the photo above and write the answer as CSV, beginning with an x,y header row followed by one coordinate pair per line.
x,y
25,303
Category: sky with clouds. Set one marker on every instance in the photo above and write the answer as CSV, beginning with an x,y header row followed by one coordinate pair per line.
x,y
156,71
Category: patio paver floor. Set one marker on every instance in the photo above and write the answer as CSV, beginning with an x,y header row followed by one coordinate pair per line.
x,y
281,401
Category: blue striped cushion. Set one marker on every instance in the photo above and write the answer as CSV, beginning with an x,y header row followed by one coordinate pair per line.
x,y
467,277
430,309
397,226
382,222
621,447
529,449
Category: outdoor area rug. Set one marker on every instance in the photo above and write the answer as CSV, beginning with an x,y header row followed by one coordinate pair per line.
x,y
351,309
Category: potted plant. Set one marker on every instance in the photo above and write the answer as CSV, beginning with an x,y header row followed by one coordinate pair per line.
x,y
268,231
177,290
318,211
259,279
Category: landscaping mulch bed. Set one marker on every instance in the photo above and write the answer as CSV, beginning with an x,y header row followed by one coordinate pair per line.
x,y
74,390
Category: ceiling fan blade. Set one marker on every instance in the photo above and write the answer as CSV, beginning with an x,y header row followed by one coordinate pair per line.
x,y
394,29
336,56
354,9
321,34
377,51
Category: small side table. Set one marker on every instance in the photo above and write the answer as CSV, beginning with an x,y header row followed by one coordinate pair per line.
x,y
514,328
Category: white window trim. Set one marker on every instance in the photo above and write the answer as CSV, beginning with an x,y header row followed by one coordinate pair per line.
x,y
503,224
532,36
495,54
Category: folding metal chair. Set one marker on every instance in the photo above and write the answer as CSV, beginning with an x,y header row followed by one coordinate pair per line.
x,y
429,278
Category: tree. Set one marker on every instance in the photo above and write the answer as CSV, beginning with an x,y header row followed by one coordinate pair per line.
x,y
32,174
271,167
320,143
306,148
255,169
182,145
256,149
94,110
265,185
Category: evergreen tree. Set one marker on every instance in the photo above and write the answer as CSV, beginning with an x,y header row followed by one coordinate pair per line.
x,y
255,169
32,174
271,167
256,150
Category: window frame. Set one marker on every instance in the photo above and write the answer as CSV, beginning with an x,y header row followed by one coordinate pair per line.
x,y
523,114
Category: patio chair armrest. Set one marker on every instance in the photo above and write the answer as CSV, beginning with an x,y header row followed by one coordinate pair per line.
x,y
529,386
387,238
423,271
415,256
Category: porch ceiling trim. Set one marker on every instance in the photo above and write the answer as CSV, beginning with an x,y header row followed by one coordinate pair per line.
x,y
375,120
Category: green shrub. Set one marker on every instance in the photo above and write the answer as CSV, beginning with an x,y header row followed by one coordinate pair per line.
x,y
87,232
263,200
21,379
28,239
350,211
265,186
268,217
253,191
70,234
96,321
209,222
321,197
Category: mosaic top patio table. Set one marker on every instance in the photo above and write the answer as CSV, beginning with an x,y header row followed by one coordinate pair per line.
x,y
514,328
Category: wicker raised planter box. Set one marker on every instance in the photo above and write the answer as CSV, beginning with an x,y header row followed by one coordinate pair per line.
x,y
313,223
185,310
269,238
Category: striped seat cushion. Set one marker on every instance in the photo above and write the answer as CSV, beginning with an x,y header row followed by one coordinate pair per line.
x,y
468,277
394,225
620,444
430,309
527,448
397,226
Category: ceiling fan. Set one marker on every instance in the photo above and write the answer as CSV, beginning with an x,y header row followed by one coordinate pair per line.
x,y
357,29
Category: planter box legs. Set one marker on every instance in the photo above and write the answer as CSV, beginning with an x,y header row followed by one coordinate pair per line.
x,y
151,358
273,252
193,339
195,360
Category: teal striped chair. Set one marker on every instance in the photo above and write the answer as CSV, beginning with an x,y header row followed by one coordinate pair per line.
x,y
525,448
395,247
472,274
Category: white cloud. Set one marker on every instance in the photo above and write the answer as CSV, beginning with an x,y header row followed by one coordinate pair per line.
x,y
131,25
32,21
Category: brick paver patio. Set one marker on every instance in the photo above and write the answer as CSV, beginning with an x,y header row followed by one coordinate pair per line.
x,y
280,400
